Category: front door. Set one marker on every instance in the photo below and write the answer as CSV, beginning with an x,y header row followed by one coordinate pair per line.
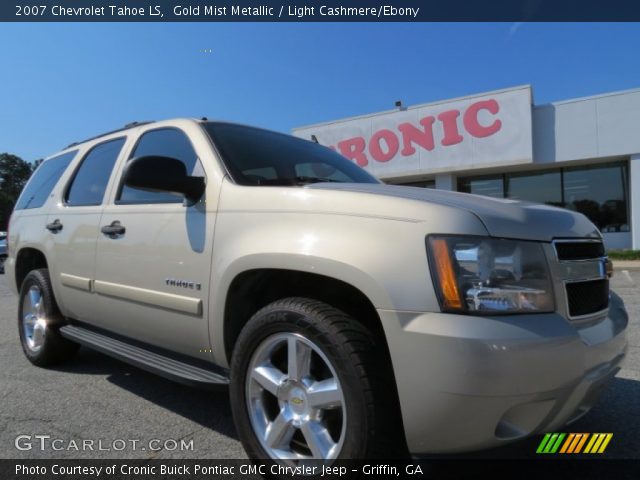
x,y
154,258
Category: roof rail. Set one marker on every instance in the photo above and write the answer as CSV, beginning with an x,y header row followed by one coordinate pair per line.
x,y
126,127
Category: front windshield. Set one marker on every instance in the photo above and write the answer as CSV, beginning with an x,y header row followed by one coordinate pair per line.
x,y
260,157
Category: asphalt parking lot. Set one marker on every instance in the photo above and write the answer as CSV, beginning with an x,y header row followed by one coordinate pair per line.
x,y
115,405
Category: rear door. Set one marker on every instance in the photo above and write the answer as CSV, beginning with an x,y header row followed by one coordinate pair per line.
x,y
73,227
152,276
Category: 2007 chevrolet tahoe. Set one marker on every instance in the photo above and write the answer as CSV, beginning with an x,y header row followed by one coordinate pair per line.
x,y
348,318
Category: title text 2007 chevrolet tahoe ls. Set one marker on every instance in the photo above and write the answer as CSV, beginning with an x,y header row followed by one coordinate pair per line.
x,y
347,317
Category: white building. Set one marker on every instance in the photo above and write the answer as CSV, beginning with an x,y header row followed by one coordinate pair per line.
x,y
582,154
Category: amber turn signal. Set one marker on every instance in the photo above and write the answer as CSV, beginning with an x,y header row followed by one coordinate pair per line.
x,y
444,267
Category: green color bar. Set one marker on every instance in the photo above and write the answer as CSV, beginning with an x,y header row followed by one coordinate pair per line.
x,y
543,443
558,442
550,443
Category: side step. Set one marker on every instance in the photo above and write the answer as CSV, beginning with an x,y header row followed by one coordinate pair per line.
x,y
142,358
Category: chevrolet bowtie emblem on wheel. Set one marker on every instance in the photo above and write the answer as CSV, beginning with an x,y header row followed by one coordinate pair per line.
x,y
297,401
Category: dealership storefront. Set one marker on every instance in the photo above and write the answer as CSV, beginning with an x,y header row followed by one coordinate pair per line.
x,y
581,154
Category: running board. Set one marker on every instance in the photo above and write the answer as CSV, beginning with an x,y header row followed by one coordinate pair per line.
x,y
147,360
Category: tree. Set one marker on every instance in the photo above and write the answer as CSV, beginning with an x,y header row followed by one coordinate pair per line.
x,y
14,173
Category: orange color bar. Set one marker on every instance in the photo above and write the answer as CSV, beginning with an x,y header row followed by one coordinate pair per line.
x,y
567,442
576,439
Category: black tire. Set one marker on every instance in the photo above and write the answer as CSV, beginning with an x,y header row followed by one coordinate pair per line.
x,y
373,428
54,348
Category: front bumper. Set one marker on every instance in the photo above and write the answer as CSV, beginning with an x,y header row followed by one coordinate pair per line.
x,y
467,383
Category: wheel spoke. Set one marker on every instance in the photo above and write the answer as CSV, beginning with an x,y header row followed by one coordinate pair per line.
x,y
269,378
39,309
34,298
318,439
38,333
325,394
29,320
299,359
279,433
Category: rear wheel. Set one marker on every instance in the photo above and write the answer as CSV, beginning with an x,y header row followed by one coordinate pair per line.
x,y
306,383
38,322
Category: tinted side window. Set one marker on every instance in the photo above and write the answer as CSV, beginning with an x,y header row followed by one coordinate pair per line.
x,y
90,181
166,142
43,180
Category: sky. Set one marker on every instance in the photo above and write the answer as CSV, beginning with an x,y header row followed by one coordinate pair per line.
x,y
61,83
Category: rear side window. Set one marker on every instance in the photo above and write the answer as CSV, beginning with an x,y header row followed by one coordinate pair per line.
x,y
90,181
165,142
43,180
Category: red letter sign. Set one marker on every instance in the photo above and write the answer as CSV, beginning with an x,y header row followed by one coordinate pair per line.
x,y
449,121
471,123
353,149
411,134
392,145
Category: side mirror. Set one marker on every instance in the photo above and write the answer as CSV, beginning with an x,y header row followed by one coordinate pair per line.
x,y
163,174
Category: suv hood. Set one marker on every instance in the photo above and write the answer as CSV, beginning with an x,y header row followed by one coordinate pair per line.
x,y
501,217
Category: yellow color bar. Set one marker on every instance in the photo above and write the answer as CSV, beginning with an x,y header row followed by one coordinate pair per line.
x,y
606,441
594,437
598,441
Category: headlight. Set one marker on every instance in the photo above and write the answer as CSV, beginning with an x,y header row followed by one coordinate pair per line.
x,y
485,275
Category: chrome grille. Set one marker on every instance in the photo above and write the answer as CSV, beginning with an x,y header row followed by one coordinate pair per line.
x,y
579,250
584,298
583,270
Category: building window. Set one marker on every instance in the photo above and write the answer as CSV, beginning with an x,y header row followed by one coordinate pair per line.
x,y
423,184
488,185
540,187
598,191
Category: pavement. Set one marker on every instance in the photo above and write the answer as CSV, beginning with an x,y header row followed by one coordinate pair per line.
x,y
626,264
128,413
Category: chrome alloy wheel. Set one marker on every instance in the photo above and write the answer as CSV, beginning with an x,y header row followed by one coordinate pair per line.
x,y
295,400
34,320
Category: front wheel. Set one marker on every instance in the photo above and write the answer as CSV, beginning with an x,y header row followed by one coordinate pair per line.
x,y
38,321
306,384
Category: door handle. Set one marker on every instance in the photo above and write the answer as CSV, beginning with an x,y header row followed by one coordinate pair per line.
x,y
54,226
114,229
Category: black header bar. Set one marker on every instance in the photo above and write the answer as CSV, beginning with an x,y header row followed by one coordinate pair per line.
x,y
319,10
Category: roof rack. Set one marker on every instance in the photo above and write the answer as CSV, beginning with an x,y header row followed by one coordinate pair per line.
x,y
126,127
